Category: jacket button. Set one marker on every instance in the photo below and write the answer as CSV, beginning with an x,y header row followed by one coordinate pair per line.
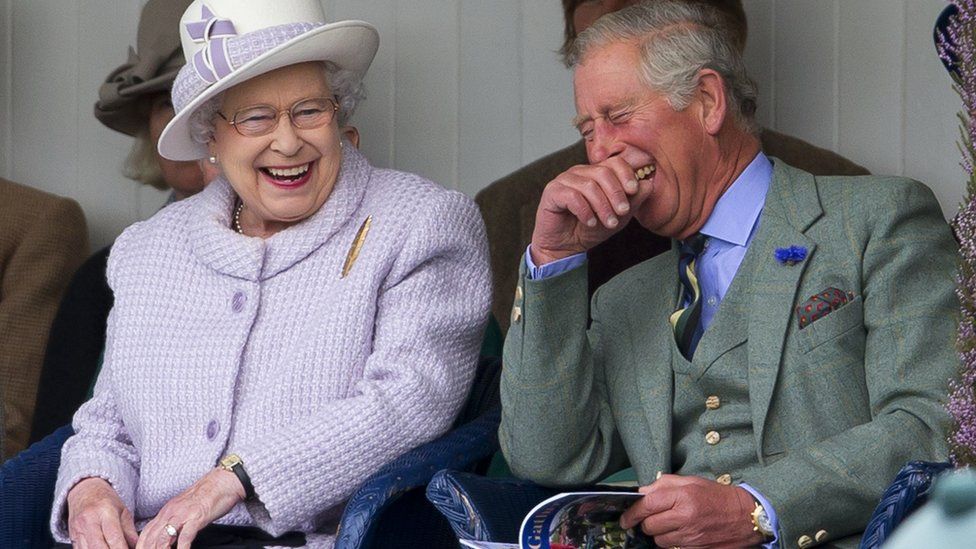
x,y
804,541
713,437
820,536
713,402
238,302
724,480
516,314
212,429
518,294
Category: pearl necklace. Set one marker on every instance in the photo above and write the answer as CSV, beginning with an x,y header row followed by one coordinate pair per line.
x,y
237,217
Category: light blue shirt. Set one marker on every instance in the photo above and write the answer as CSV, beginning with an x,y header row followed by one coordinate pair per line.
x,y
730,230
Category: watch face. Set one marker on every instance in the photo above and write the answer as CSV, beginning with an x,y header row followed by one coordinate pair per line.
x,y
765,525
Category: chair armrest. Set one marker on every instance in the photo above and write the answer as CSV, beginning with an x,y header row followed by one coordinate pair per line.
x,y
907,492
27,492
485,509
458,449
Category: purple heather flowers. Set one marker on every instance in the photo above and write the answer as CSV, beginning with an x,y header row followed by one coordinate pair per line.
x,y
957,48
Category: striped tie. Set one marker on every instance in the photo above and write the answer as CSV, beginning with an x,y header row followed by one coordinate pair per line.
x,y
686,321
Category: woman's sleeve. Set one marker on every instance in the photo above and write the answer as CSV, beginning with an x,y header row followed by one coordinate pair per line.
x,y
430,317
100,447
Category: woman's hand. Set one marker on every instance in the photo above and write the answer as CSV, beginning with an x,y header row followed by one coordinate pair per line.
x,y
207,500
98,518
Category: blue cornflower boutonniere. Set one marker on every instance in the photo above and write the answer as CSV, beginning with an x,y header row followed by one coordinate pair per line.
x,y
791,255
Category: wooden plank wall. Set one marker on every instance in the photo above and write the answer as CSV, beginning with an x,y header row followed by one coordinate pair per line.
x,y
465,91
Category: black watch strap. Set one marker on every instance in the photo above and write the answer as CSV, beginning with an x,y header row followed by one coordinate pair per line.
x,y
234,464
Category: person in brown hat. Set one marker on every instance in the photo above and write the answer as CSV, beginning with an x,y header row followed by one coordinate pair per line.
x,y
134,100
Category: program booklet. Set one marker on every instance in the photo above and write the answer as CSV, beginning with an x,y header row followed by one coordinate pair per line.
x,y
576,520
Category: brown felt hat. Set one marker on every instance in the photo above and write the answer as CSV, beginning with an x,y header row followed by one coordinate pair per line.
x,y
151,68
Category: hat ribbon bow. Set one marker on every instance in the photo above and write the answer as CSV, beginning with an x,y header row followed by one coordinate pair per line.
x,y
212,62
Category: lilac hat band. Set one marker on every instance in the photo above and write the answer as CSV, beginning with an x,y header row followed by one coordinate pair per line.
x,y
212,62
225,52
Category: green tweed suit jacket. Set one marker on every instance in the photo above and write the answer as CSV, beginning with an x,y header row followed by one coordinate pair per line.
x,y
837,407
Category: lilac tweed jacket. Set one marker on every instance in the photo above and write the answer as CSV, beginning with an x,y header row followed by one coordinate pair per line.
x,y
222,343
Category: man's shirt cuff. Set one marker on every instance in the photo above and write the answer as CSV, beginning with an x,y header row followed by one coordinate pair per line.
x,y
770,512
554,268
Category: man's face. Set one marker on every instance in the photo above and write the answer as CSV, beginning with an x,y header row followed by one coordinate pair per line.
x,y
588,12
620,116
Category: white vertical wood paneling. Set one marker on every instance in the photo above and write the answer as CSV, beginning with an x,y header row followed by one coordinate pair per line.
x,y
804,69
931,126
6,63
547,94
760,55
465,92
44,118
490,92
871,73
375,117
427,89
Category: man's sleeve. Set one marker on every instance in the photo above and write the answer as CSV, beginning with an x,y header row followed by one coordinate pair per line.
x,y
557,427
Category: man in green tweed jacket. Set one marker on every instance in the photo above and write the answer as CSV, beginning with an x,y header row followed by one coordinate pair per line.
x,y
816,340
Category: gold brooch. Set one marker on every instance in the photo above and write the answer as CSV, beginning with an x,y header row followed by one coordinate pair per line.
x,y
357,245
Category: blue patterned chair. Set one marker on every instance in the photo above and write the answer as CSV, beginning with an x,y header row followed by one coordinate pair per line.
x,y
389,510
485,509
909,490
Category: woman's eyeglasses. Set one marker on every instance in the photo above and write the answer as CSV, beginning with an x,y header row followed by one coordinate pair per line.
x,y
260,120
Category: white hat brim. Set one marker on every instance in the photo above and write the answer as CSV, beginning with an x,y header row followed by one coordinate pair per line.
x,y
349,44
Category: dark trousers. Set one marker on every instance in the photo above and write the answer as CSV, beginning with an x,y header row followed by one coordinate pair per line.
x,y
218,536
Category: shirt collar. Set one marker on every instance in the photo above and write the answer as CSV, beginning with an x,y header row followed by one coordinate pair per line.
x,y
737,211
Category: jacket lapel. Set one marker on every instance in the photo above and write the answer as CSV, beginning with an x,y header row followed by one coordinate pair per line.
x,y
792,205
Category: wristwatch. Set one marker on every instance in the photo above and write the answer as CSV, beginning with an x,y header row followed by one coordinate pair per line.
x,y
761,522
233,463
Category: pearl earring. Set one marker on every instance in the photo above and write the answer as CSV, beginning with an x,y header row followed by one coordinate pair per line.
x,y
212,159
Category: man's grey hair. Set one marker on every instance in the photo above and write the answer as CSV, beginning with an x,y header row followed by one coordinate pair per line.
x,y
677,39
346,86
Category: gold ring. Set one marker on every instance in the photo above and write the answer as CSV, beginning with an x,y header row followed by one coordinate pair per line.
x,y
171,531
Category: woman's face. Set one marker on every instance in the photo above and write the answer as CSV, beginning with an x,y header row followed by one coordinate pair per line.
x,y
185,178
288,174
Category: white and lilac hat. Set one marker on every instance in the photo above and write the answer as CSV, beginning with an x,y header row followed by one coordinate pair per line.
x,y
226,42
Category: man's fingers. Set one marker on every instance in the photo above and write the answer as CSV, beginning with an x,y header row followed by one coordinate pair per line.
x,y
596,196
613,182
659,524
655,500
624,172
636,513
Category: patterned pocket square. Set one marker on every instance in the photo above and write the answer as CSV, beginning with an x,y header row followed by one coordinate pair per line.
x,y
821,305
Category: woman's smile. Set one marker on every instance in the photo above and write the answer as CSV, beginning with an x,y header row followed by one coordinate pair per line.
x,y
288,177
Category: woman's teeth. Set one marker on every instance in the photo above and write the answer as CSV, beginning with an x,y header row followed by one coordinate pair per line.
x,y
645,172
287,173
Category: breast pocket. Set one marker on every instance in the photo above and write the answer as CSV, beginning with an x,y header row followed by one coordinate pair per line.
x,y
831,326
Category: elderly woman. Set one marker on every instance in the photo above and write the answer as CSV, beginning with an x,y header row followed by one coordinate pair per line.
x,y
278,337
